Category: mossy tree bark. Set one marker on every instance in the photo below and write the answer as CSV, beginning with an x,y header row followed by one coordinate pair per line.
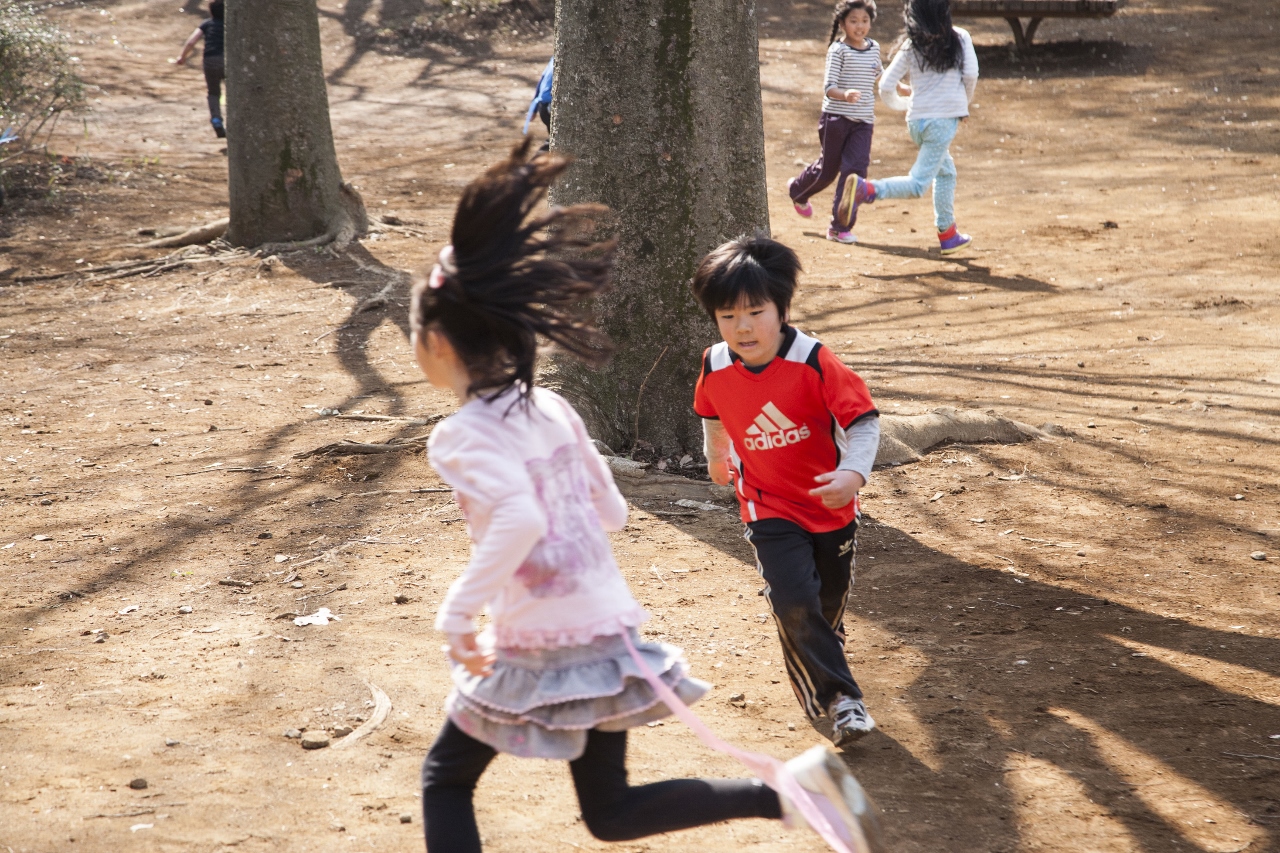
x,y
285,185
658,101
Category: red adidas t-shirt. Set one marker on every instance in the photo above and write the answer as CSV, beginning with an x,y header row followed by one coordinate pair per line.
x,y
787,424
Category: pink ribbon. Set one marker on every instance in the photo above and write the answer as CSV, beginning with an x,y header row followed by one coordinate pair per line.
x,y
768,769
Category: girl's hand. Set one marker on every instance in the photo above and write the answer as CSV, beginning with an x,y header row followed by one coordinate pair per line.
x,y
179,61
853,96
904,90
463,649
840,488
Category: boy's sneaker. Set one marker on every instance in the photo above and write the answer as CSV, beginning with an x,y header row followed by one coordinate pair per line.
x,y
806,209
838,797
849,721
218,128
841,236
952,240
857,191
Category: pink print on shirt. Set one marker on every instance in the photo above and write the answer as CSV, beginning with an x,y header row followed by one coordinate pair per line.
x,y
575,545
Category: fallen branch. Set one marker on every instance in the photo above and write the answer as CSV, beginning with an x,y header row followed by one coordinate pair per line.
x,y
326,555
346,447
377,494
308,596
122,814
381,707
427,421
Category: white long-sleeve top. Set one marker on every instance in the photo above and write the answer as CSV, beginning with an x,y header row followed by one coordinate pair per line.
x,y
934,94
538,499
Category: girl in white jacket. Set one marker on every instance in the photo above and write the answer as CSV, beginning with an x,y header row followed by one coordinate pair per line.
x,y
940,61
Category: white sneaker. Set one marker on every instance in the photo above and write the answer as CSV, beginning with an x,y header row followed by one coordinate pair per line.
x,y
849,721
838,797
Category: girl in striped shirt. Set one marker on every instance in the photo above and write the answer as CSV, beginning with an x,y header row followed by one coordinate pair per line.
x,y
848,115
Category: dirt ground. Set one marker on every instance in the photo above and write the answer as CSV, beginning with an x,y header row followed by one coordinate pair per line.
x,y
1068,645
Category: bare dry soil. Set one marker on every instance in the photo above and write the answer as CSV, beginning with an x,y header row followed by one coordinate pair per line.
x,y
1069,645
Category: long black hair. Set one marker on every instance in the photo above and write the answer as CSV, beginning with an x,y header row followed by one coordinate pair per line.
x,y
933,38
843,8
510,276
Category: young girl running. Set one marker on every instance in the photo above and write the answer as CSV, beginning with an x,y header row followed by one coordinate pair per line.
x,y
943,68
848,115
215,68
561,671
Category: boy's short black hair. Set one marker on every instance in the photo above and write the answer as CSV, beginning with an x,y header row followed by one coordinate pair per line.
x,y
216,9
756,269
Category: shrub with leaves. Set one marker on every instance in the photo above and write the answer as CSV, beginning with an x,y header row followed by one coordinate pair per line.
x,y
37,78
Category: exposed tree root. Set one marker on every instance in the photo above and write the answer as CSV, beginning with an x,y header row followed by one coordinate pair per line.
x,y
350,223
191,237
189,256
904,438
381,707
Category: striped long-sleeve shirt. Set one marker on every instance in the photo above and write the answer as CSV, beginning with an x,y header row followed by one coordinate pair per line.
x,y
934,94
850,68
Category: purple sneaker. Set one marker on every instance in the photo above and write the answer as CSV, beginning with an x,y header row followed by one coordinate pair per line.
x,y
857,191
837,236
952,240
806,209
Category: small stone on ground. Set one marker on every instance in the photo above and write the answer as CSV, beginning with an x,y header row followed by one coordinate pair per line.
x,y
315,740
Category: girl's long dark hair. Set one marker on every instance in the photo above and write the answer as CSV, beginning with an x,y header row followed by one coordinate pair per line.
x,y
932,37
513,276
843,8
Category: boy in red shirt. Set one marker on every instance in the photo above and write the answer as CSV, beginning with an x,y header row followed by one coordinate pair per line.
x,y
795,432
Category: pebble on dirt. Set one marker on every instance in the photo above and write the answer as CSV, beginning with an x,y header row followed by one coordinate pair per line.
x,y
1258,555
292,733
138,784
401,598
315,739
342,730
184,609
406,818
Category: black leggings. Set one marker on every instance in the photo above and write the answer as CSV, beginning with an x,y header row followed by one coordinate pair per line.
x,y
215,71
611,809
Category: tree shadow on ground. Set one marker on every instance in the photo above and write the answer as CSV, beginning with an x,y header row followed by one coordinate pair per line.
x,y
1071,59
1030,700
1013,674
156,544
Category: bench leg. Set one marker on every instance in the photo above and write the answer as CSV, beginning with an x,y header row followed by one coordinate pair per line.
x,y
1031,29
1019,38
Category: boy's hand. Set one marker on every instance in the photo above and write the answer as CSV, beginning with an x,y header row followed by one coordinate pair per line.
x,y
840,488
463,649
852,96
719,472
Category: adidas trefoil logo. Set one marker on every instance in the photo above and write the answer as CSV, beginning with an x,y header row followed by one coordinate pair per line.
x,y
773,429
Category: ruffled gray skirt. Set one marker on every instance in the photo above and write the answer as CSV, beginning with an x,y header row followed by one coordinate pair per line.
x,y
540,703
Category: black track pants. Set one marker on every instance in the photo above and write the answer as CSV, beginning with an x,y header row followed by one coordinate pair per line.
x,y
808,576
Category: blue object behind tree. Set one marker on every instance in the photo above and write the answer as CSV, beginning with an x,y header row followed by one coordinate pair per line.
x,y
541,95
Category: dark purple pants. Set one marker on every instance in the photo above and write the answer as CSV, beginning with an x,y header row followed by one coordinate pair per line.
x,y
846,148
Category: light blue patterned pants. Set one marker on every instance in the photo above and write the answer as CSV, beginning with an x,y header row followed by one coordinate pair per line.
x,y
933,166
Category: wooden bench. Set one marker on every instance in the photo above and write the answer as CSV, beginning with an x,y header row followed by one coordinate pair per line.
x,y
1036,10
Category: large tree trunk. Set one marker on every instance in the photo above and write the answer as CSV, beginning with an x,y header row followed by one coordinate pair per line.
x,y
285,184
659,102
